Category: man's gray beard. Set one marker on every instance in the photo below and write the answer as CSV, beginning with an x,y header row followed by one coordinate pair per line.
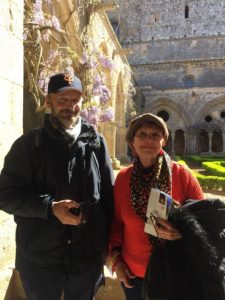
x,y
75,121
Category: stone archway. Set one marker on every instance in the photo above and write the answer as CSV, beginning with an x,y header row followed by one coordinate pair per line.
x,y
217,141
179,142
168,148
203,141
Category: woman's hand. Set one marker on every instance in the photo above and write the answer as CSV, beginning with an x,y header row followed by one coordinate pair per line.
x,y
123,273
166,231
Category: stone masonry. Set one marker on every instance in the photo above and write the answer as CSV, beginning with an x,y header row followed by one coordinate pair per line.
x,y
179,65
11,82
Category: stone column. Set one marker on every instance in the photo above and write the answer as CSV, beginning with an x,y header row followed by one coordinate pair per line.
x,y
109,133
210,142
224,142
185,143
195,146
121,144
172,142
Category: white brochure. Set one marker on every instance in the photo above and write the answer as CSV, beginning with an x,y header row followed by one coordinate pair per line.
x,y
158,206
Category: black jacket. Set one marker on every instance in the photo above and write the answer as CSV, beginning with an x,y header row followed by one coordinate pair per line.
x,y
193,267
40,168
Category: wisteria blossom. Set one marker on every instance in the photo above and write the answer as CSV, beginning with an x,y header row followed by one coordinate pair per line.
x,y
84,58
106,62
88,61
43,80
91,114
55,23
39,18
52,55
105,95
101,90
106,115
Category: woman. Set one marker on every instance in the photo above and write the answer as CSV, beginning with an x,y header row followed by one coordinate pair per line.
x,y
130,246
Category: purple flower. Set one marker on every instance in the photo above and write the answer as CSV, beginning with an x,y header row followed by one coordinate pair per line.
x,y
38,17
106,62
93,110
105,95
84,58
37,6
91,114
107,115
84,113
100,89
88,61
43,81
55,23
52,55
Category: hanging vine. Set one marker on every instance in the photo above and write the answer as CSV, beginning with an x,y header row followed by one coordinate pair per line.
x,y
48,49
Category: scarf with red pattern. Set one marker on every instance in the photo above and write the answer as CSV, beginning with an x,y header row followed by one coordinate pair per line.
x,y
143,180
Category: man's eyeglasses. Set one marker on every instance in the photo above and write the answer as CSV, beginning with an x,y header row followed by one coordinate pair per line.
x,y
145,136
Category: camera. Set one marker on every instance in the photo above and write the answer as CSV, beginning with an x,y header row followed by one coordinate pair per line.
x,y
75,210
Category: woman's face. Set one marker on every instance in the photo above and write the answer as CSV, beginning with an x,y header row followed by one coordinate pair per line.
x,y
148,141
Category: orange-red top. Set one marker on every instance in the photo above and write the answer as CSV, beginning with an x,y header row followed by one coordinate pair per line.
x,y
127,229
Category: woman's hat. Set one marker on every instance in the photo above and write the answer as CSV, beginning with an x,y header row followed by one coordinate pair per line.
x,y
145,119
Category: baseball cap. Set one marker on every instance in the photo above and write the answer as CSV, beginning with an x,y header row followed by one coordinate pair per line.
x,y
144,119
63,81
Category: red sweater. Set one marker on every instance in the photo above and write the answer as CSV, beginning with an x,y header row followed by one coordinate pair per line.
x,y
127,229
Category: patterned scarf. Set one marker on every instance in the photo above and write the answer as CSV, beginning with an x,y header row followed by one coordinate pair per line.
x,y
58,131
143,180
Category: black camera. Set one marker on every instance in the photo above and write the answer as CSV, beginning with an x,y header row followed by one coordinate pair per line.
x,y
75,210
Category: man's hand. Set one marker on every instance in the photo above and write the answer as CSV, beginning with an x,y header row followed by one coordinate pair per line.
x,y
61,210
166,231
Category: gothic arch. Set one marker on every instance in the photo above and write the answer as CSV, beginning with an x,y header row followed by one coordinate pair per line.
x,y
210,106
179,142
203,141
217,141
173,106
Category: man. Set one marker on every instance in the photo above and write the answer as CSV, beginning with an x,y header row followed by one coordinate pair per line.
x,y
57,182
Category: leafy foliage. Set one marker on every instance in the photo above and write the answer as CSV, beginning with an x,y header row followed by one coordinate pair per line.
x,y
49,48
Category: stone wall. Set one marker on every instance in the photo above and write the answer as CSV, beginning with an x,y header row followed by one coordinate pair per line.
x,y
164,19
11,117
178,63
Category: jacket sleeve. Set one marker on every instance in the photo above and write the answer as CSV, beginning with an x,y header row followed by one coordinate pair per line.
x,y
107,182
117,228
17,189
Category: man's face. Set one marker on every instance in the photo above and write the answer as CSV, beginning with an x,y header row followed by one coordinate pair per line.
x,y
65,106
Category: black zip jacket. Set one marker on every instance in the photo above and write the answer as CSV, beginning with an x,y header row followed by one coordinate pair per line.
x,y
192,268
41,168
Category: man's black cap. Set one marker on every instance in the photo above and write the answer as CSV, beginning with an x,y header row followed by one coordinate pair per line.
x,y
63,81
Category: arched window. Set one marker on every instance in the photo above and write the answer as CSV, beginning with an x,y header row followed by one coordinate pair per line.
x,y
186,12
222,114
164,115
208,119
116,28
